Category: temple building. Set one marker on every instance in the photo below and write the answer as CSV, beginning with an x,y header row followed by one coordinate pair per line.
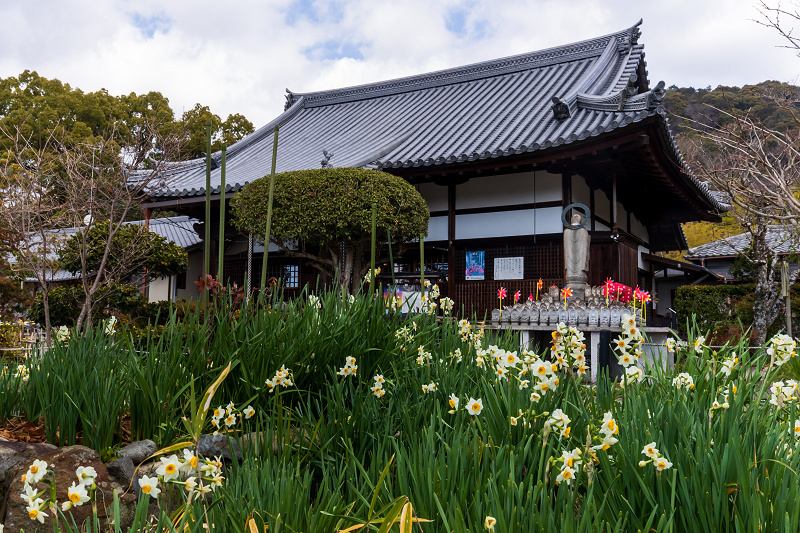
x,y
498,150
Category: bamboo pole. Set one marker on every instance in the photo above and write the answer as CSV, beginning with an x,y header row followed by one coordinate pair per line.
x,y
207,222
422,261
391,258
372,248
221,258
269,210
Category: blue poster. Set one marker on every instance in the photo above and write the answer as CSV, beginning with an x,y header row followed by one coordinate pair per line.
x,y
476,263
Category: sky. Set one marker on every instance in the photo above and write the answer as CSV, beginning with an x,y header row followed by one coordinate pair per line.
x,y
239,56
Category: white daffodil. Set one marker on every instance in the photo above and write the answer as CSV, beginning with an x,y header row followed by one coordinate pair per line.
x,y
149,486
30,495
650,450
77,495
489,523
453,401
86,475
249,412
169,467
190,461
230,420
661,464
609,426
36,471
566,475
572,459
474,407
608,441
35,513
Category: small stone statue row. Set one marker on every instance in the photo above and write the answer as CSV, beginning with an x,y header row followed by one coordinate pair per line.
x,y
577,315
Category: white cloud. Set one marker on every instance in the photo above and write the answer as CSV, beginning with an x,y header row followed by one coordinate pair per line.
x,y
239,56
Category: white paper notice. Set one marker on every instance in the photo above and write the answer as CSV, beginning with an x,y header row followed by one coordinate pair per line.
x,y
508,267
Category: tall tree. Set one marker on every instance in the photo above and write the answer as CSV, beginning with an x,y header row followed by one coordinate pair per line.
x,y
325,216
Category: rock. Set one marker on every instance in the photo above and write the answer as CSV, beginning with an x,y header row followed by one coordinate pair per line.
x,y
138,451
64,462
211,446
123,470
13,454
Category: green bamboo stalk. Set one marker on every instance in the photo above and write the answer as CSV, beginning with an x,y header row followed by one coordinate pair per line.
x,y
391,258
422,261
269,210
221,257
372,249
207,243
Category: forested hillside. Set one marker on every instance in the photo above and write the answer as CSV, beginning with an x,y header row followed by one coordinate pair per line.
x,y
692,111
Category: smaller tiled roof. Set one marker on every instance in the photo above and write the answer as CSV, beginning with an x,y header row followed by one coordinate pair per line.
x,y
780,239
178,230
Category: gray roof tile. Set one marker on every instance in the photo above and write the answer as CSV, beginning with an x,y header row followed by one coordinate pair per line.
x,y
487,110
780,239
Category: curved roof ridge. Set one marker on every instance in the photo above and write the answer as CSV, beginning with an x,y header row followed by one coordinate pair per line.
x,y
495,67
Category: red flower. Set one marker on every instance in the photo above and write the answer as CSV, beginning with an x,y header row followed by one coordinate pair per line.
x,y
501,293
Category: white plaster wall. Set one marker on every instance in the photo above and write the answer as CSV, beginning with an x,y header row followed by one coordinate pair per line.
x,y
483,225
193,273
580,191
602,205
507,189
435,196
642,250
437,229
159,289
638,229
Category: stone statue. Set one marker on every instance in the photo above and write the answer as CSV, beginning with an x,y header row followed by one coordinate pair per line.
x,y
576,257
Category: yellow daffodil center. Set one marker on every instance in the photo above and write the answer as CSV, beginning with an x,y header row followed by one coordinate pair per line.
x,y
74,497
33,513
650,450
567,474
611,425
452,404
566,431
216,412
24,477
475,407
545,386
146,489
34,469
170,469
193,461
569,462
542,370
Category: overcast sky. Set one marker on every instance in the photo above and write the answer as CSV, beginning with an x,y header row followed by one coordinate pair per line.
x,y
238,56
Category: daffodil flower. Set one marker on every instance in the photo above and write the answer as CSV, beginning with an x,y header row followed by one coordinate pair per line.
x,y
149,486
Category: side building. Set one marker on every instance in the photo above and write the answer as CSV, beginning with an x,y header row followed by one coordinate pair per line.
x,y
498,150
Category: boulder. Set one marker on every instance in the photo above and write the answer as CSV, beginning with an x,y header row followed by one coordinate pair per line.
x,y
13,454
211,446
138,451
123,471
64,462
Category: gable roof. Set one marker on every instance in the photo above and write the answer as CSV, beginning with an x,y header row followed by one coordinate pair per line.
x,y
780,239
178,230
487,110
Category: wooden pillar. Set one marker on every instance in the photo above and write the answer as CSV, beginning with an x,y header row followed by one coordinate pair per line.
x,y
566,189
591,207
614,227
451,239
147,213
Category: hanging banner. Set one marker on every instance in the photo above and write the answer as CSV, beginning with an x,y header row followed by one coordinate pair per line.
x,y
476,265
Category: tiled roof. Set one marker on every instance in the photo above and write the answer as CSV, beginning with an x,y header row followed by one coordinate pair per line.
x,y
179,230
487,110
780,239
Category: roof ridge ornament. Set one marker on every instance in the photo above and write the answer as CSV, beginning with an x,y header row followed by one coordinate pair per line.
x,y
289,99
634,34
630,90
560,108
656,95
326,159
